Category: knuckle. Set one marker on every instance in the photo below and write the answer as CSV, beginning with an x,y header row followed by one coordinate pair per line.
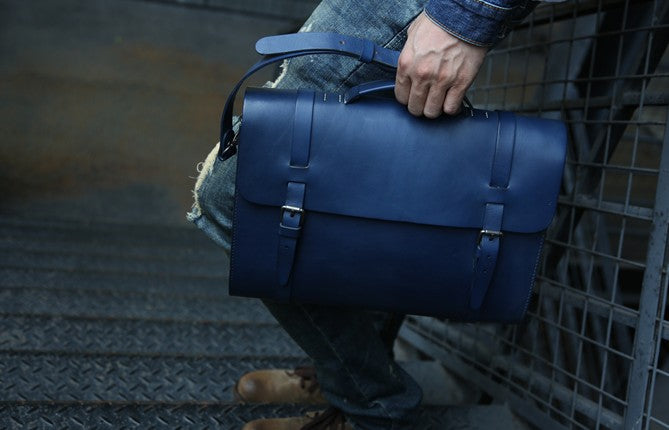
x,y
446,78
402,80
431,113
402,89
401,74
451,109
415,112
419,93
460,85
403,62
401,96
454,99
423,73
433,107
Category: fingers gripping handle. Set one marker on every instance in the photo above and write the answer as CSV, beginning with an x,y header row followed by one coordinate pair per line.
x,y
361,90
279,48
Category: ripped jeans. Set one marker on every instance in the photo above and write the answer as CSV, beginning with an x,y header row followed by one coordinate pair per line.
x,y
351,349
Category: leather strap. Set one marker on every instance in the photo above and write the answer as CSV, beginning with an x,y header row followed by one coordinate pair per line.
x,y
292,213
487,249
365,50
296,45
290,228
304,111
506,139
486,253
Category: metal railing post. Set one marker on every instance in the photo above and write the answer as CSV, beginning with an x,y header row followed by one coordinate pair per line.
x,y
647,326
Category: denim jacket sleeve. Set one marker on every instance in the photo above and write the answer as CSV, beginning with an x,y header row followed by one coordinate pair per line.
x,y
479,22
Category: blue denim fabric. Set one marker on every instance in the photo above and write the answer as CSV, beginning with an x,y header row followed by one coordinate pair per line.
x,y
479,22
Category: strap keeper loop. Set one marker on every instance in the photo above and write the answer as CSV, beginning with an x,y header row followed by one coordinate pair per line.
x,y
492,234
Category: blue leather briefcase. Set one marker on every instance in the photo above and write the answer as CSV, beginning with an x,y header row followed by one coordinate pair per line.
x,y
347,199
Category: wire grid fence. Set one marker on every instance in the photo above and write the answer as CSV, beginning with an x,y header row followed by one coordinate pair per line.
x,y
594,349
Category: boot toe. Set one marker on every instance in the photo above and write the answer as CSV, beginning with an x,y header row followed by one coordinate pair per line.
x,y
247,388
276,386
293,423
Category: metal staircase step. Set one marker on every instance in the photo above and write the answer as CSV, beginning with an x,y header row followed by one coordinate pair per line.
x,y
143,337
127,326
101,232
186,252
77,302
117,264
196,415
75,377
130,415
96,280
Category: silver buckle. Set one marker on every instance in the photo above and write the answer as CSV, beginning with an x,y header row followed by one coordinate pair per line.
x,y
490,233
293,210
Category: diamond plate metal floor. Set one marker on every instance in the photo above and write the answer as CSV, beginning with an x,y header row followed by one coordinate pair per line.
x,y
114,311
112,325
201,415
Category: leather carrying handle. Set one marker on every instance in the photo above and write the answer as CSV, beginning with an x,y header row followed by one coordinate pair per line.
x,y
283,47
358,91
279,48
361,90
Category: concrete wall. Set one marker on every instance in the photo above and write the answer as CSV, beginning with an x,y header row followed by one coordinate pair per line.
x,y
107,106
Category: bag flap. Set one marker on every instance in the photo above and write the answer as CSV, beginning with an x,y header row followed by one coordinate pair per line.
x,y
372,159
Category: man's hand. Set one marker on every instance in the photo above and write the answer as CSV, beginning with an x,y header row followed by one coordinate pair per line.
x,y
435,69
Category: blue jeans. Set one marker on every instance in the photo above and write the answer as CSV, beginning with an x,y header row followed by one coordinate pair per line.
x,y
350,348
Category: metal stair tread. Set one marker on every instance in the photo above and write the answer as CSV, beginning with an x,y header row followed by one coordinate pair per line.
x,y
120,281
105,233
128,336
73,223
77,302
132,326
183,253
197,415
74,377
118,264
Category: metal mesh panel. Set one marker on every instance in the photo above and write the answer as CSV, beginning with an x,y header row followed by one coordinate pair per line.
x,y
594,351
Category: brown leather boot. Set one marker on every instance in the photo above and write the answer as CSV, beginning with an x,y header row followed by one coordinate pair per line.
x,y
330,419
279,386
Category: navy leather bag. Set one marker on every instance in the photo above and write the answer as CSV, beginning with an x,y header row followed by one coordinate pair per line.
x,y
347,199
